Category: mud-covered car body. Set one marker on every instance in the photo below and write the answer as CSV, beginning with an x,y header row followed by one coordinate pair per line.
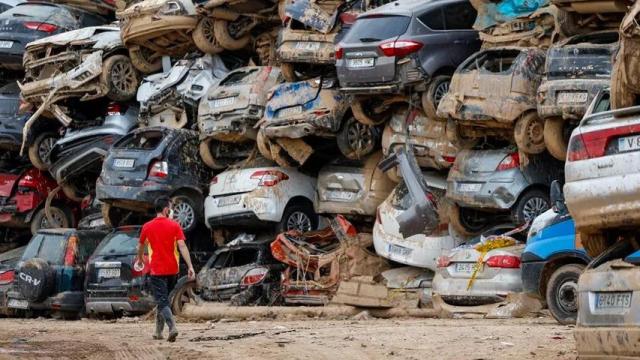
x,y
171,99
351,187
8,260
579,14
33,20
11,122
50,274
625,86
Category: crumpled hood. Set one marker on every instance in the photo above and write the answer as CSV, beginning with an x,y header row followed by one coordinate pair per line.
x,y
102,37
492,13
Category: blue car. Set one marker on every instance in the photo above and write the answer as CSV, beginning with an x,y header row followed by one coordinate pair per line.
x,y
551,264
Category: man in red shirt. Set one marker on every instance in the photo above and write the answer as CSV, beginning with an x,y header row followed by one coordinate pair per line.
x,y
164,238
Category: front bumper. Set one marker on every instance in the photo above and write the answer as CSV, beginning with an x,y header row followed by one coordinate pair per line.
x,y
496,289
68,301
131,197
531,276
549,90
499,192
600,343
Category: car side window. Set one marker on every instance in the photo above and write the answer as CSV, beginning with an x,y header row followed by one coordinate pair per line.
x,y
433,19
460,16
90,20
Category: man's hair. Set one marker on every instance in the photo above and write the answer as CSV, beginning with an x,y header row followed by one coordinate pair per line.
x,y
161,203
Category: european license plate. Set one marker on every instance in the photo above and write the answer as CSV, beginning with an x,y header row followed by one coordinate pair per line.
x,y
340,195
229,200
572,97
18,304
96,223
465,267
469,187
307,46
108,273
613,300
629,143
6,44
360,63
399,251
290,111
224,102
123,163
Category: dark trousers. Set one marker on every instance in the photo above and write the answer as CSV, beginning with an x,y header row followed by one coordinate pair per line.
x,y
162,287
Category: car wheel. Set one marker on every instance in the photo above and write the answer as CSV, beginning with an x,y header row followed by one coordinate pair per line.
x,y
436,90
298,216
264,146
184,293
224,32
207,156
143,59
204,38
186,212
72,192
621,95
120,77
465,222
562,293
531,204
40,148
362,111
556,137
61,218
357,140
529,133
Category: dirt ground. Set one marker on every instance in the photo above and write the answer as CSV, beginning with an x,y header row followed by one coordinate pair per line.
x,y
532,338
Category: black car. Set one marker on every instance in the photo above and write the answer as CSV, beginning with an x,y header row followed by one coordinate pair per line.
x,y
33,20
8,261
49,278
152,162
11,122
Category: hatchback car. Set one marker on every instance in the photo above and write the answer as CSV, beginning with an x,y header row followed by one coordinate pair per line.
x,y
488,184
405,45
152,162
50,275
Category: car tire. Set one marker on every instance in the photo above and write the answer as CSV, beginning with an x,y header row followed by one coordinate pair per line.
x,y
299,216
555,137
38,282
62,216
187,211
529,133
358,108
40,148
531,203
264,146
207,157
357,140
120,77
436,90
184,292
458,221
562,293
204,37
141,59
621,95
225,39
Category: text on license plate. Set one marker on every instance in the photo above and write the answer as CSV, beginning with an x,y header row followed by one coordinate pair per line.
x,y
108,273
123,163
609,300
469,187
229,200
360,63
308,46
465,267
340,195
290,111
224,101
629,143
18,304
400,251
572,97
6,44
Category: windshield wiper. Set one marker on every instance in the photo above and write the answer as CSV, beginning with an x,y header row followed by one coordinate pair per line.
x,y
368,39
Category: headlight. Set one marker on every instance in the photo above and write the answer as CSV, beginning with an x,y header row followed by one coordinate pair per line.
x,y
171,8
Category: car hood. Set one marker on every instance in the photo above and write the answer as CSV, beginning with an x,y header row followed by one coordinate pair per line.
x,y
99,37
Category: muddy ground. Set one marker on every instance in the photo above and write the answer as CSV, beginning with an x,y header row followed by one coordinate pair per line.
x,y
532,338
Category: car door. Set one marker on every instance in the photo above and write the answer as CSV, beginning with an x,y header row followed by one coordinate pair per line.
x,y
428,28
459,17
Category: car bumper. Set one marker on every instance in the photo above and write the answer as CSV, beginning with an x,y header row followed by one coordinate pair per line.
x,y
475,111
617,343
70,301
429,152
253,208
372,90
231,126
131,197
531,275
550,90
499,192
119,305
305,125
482,290
366,205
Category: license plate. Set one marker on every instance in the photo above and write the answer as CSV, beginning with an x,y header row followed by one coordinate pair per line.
x,y
290,111
613,300
123,163
96,223
18,304
108,273
6,44
224,102
360,63
229,200
572,97
465,267
340,195
629,143
400,251
469,187
307,46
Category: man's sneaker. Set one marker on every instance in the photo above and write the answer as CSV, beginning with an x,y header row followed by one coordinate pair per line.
x,y
172,336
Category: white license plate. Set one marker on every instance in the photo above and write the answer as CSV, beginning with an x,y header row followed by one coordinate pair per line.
x,y
97,223
469,187
108,273
229,200
307,46
123,163
18,304
572,97
290,111
224,102
629,143
399,251
465,267
613,300
6,44
360,63
340,195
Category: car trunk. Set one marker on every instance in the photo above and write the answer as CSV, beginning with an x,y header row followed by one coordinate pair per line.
x,y
228,96
342,183
288,96
479,165
130,158
237,181
582,61
110,270
463,261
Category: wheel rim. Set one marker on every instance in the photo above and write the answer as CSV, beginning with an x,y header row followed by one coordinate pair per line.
x,y
45,148
299,221
123,77
567,296
441,91
58,219
207,30
359,137
184,214
535,132
534,207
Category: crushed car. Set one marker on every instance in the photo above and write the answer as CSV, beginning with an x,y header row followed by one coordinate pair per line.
x,y
625,86
296,113
493,93
575,71
227,115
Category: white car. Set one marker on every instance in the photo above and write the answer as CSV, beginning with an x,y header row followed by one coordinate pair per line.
x,y
261,193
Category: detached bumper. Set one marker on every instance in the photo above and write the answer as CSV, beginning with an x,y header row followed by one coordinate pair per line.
x,y
149,26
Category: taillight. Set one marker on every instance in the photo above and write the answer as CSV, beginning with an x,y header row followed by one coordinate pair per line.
x,y
6,277
503,261
113,109
510,161
214,180
254,276
44,27
400,48
27,183
24,107
449,159
339,53
593,144
269,177
443,261
159,169
70,254
576,150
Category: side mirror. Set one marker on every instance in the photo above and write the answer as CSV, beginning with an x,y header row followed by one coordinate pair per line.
x,y
557,198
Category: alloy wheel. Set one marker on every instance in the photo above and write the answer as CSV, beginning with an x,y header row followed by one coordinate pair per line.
x,y
123,77
45,147
441,91
184,214
534,207
299,221
359,137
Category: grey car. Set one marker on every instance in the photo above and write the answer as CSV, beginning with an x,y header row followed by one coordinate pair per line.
x,y
484,184
405,45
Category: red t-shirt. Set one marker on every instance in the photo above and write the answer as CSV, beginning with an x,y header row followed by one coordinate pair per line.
x,y
162,234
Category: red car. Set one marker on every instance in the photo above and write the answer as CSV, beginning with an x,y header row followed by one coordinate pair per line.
x,y
23,194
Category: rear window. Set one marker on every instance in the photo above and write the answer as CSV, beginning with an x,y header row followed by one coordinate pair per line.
x,y
119,243
147,140
237,257
49,247
494,61
376,28
35,11
239,77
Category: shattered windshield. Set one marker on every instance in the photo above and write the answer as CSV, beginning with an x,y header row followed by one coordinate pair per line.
x,y
148,140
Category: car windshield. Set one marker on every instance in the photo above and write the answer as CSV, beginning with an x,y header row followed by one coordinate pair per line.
x,y
50,247
377,28
119,243
147,140
32,11
238,77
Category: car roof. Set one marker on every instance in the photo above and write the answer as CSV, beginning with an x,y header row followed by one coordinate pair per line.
x,y
403,7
